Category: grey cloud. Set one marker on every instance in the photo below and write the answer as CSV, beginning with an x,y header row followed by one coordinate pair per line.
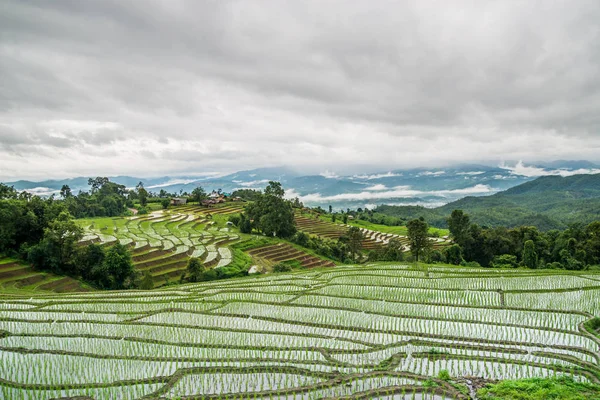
x,y
293,81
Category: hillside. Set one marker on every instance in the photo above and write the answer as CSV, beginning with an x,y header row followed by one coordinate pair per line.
x,y
370,331
549,202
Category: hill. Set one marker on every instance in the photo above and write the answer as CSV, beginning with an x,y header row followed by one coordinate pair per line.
x,y
548,202
369,331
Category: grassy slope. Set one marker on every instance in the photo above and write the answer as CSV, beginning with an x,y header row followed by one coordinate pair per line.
x,y
541,389
398,230
550,202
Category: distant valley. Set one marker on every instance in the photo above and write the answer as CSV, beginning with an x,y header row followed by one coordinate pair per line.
x,y
427,187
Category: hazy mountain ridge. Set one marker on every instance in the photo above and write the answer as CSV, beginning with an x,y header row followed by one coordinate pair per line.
x,y
549,202
430,187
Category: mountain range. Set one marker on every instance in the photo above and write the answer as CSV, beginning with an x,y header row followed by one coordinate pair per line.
x,y
428,187
548,202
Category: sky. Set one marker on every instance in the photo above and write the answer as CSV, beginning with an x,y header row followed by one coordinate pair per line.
x,y
150,88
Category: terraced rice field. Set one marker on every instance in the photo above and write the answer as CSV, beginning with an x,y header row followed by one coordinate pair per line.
x,y
372,239
284,252
162,242
16,276
379,331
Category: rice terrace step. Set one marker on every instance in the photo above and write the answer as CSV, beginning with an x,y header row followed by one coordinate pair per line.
x,y
381,330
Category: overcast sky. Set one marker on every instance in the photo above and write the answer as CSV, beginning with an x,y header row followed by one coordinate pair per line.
x,y
168,87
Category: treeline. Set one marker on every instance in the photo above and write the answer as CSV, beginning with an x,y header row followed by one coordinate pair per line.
x,y
575,248
43,233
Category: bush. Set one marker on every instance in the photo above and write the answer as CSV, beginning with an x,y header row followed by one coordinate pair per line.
x,y
165,203
505,261
472,264
454,254
554,265
235,219
282,268
444,375
436,256
142,211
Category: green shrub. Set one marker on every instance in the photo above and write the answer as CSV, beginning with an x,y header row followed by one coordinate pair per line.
x,y
472,264
142,211
505,261
282,268
444,375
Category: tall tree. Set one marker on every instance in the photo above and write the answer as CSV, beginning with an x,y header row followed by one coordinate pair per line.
x,y
56,251
271,213
195,269
353,239
142,195
116,271
458,224
147,281
530,257
198,194
418,237
65,191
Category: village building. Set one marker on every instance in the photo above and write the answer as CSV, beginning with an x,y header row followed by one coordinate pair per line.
x,y
178,201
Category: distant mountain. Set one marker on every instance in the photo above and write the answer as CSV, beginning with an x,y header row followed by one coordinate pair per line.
x,y
429,187
549,202
565,164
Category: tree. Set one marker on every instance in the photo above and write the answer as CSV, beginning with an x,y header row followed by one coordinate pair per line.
x,y
418,237
245,224
65,191
195,269
198,194
453,254
333,217
458,224
530,257
56,251
345,218
142,195
330,209
353,238
393,251
147,281
116,271
271,213
97,183
89,257
165,203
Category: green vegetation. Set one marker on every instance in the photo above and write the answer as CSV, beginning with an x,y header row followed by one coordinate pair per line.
x,y
563,388
380,227
575,248
271,214
549,202
418,237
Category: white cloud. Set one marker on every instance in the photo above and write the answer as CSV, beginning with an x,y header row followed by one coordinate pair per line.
x,y
254,183
172,182
532,172
397,192
431,173
42,191
329,175
471,173
376,187
377,176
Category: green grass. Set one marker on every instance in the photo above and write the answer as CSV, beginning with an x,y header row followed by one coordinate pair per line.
x,y
563,388
398,230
